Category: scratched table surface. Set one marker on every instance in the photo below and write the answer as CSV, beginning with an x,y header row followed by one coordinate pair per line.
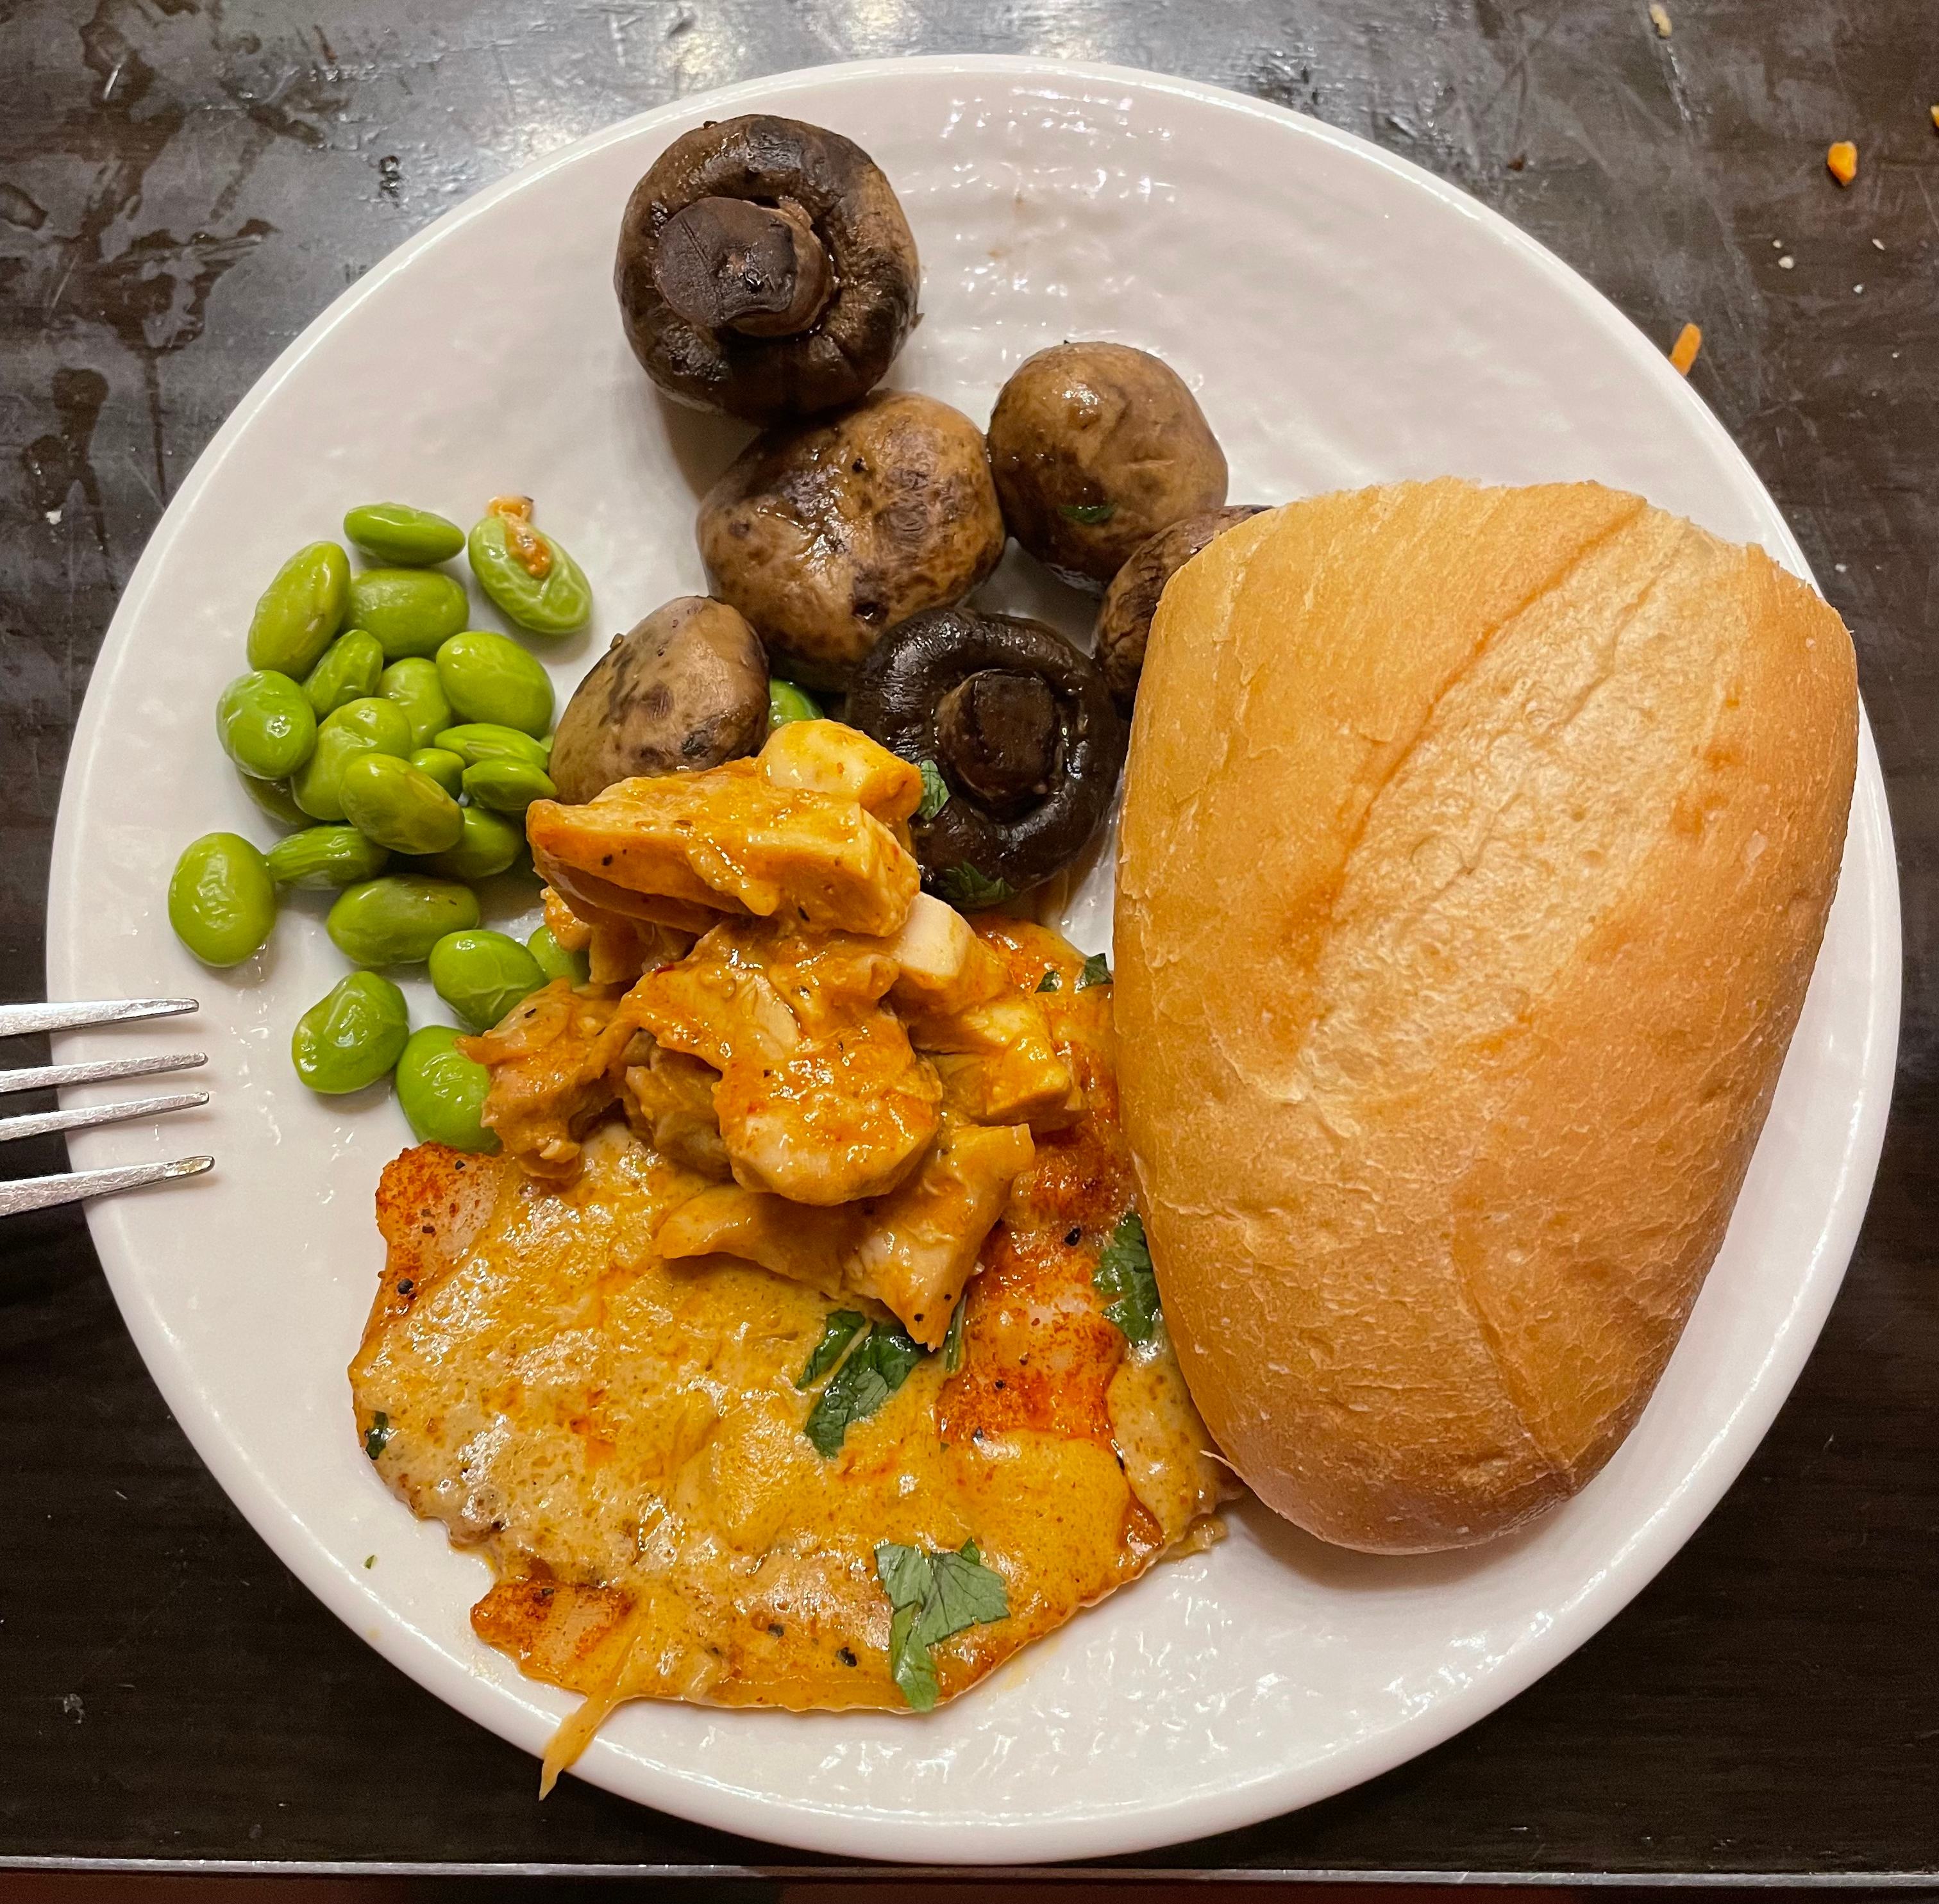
x,y
185,184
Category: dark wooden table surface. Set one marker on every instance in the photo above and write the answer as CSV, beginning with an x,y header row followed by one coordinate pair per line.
x,y
185,184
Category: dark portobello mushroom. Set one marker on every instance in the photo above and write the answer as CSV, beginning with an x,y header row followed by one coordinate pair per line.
x,y
1095,448
766,269
1125,615
687,688
1021,726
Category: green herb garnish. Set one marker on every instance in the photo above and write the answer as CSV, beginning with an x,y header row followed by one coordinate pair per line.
x,y
1048,983
370,1560
876,1368
935,790
835,1332
380,1434
1124,1274
935,1595
1089,514
1097,971
952,1343
968,890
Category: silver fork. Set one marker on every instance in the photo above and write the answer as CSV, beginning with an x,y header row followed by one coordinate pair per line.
x,y
41,1193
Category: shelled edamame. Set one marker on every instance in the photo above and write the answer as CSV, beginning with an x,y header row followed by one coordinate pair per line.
x,y
395,748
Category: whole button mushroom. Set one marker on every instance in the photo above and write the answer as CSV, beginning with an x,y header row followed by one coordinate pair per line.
x,y
685,688
1125,615
824,534
1020,727
1095,448
766,269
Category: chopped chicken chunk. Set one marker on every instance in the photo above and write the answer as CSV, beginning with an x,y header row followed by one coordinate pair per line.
x,y
1016,1075
729,840
842,1116
820,1098
555,1060
669,1101
922,1242
825,757
912,1250
805,1245
571,932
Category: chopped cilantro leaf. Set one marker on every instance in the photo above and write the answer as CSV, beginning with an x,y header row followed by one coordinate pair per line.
x,y
935,790
875,1369
1049,982
1089,514
380,1434
968,890
835,1332
1097,971
935,1595
952,1343
1124,1274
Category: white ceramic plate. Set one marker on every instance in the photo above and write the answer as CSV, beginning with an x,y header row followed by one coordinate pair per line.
x,y
1346,319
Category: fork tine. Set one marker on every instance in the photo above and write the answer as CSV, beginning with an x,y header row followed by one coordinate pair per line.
x,y
53,1077
17,1020
43,1193
38,1124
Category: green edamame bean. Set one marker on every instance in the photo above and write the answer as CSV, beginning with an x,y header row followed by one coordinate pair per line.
x,y
320,857
554,601
222,902
264,722
490,678
412,683
401,536
482,741
371,725
441,1092
787,702
410,611
297,616
352,1035
509,786
387,800
396,920
274,798
488,845
349,671
554,960
481,975
447,769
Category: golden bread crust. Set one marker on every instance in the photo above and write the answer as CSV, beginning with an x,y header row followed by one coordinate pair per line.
x,y
1477,847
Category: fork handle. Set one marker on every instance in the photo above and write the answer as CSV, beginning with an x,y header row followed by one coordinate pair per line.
x,y
43,1193
17,1020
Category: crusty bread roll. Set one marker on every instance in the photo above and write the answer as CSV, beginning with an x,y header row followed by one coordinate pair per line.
x,y
1477,846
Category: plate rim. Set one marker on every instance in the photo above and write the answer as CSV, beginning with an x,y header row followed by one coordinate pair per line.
x,y
799,1821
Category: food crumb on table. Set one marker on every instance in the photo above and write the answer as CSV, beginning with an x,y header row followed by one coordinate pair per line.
x,y
1683,352
1787,262
1659,18
1842,161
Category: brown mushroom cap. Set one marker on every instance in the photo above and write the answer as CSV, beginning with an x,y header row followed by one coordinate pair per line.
x,y
817,239
824,534
1125,615
1094,449
685,688
1021,728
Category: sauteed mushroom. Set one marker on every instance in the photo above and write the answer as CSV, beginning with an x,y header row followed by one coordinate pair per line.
x,y
1021,727
1125,615
685,688
765,269
824,534
1095,447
